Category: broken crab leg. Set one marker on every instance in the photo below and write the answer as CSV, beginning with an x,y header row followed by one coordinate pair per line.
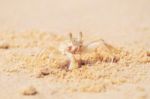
x,y
92,42
109,47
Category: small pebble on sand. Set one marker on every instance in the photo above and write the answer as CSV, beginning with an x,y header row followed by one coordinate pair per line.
x,y
29,91
42,72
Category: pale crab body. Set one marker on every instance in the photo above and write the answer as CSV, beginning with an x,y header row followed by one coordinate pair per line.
x,y
66,47
75,46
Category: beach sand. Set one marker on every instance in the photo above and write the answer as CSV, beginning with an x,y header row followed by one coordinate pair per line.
x,y
31,66
33,59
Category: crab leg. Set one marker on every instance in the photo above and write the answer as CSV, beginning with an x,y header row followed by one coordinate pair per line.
x,y
73,62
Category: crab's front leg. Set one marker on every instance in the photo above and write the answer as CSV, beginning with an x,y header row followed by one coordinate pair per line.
x,y
74,64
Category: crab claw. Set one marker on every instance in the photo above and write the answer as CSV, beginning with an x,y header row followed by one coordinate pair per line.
x,y
73,65
73,62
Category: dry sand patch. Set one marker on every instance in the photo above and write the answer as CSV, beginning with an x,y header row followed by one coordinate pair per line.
x,y
102,71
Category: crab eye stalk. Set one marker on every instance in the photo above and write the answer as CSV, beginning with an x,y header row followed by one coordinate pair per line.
x,y
80,36
70,36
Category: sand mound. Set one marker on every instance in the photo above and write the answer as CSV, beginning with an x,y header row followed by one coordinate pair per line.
x,y
102,69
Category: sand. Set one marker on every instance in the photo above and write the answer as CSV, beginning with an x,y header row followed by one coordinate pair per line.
x,y
33,59
31,66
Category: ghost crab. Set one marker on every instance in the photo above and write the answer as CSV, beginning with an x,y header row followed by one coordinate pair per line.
x,y
74,47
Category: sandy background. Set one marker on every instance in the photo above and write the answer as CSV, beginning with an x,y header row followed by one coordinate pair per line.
x,y
98,16
31,30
